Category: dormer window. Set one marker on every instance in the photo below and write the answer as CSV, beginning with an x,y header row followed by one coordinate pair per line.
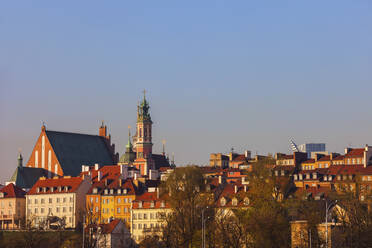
x,y
234,202
162,204
339,177
111,191
37,190
282,172
119,191
125,191
223,201
59,188
95,190
152,204
106,191
140,204
44,189
246,201
66,188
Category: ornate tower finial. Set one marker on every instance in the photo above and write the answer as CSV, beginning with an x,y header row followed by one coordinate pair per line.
x,y
20,158
144,94
43,128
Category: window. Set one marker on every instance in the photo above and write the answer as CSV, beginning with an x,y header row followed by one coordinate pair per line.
x,y
96,209
151,216
41,210
57,200
64,210
130,200
234,202
134,226
91,200
35,211
139,226
144,226
134,216
125,200
49,210
35,201
70,219
70,209
28,201
96,199
140,216
57,209
119,200
118,210
64,199
145,216
50,200
125,210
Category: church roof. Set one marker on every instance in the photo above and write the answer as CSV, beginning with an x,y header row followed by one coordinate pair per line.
x,y
26,177
160,161
74,150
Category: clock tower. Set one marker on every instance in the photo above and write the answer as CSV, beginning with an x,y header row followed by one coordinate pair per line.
x,y
143,138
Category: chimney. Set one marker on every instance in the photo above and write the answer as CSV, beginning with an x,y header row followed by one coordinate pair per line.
x,y
103,130
245,188
96,166
99,176
219,179
235,189
347,150
157,193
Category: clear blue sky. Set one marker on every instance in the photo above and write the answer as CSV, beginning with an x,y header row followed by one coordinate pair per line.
x,y
247,74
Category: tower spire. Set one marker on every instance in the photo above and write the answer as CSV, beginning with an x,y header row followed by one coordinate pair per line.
x,y
144,95
20,158
129,144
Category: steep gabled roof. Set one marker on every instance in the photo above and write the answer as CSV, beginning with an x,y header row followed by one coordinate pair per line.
x,y
355,152
12,191
160,161
74,150
26,177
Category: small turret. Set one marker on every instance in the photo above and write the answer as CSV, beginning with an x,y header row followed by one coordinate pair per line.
x,y
20,160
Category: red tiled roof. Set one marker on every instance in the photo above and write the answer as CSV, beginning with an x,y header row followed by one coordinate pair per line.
x,y
285,157
72,183
239,158
109,228
341,157
313,190
344,169
309,161
148,197
108,171
12,191
355,152
228,193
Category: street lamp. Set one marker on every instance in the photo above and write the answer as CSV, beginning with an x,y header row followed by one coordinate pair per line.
x,y
203,227
326,218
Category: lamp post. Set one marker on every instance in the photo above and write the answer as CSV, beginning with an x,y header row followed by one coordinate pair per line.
x,y
326,220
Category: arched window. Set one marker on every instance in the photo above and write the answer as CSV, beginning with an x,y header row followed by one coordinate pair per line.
x,y
246,201
234,201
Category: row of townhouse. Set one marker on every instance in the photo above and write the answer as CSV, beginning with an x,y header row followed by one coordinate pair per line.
x,y
351,172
